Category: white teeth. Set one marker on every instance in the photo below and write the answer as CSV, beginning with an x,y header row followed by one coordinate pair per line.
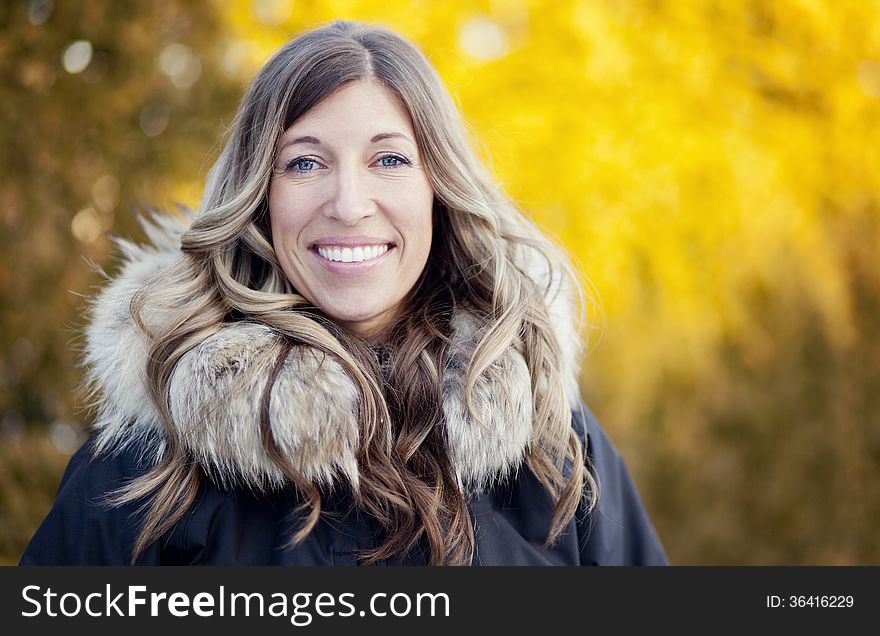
x,y
349,255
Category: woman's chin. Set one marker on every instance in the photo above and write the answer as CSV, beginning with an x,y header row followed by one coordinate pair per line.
x,y
363,323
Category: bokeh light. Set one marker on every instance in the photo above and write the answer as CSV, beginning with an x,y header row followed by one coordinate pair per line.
x,y
77,56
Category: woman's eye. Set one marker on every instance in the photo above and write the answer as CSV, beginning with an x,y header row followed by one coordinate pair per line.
x,y
392,161
302,165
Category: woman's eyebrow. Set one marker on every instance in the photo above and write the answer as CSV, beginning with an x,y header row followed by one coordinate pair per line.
x,y
314,141
390,135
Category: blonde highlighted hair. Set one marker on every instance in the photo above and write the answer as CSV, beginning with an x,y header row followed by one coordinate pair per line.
x,y
229,272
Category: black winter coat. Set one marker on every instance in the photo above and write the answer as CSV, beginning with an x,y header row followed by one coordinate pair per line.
x,y
242,514
236,526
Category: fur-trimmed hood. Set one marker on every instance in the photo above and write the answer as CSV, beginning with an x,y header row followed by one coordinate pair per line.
x,y
216,389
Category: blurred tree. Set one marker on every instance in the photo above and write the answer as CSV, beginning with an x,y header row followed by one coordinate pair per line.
x,y
105,105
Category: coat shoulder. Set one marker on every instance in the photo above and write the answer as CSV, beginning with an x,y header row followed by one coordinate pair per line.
x,y
82,528
618,531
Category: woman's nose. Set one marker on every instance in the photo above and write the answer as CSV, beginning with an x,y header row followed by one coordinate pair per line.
x,y
351,198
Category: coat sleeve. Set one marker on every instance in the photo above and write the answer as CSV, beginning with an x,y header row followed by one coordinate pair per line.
x,y
81,529
618,531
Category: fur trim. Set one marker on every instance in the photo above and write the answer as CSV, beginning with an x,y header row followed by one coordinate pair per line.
x,y
216,389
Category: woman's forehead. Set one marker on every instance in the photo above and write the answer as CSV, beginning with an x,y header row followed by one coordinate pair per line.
x,y
361,111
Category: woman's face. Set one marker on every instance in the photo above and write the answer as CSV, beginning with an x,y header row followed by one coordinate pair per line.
x,y
350,206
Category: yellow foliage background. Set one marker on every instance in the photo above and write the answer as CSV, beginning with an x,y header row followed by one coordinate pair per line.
x,y
713,167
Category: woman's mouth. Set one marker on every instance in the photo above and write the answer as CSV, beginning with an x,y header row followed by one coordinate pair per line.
x,y
352,254
351,261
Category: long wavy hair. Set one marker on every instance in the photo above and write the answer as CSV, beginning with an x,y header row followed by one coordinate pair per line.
x,y
229,272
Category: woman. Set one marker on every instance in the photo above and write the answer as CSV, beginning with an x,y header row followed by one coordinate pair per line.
x,y
358,352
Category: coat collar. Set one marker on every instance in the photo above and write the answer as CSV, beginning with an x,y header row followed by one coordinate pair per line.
x,y
216,387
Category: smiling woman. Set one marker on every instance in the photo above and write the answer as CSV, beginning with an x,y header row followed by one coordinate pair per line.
x,y
357,351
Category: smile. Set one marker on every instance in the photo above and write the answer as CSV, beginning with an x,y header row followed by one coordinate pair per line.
x,y
352,254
